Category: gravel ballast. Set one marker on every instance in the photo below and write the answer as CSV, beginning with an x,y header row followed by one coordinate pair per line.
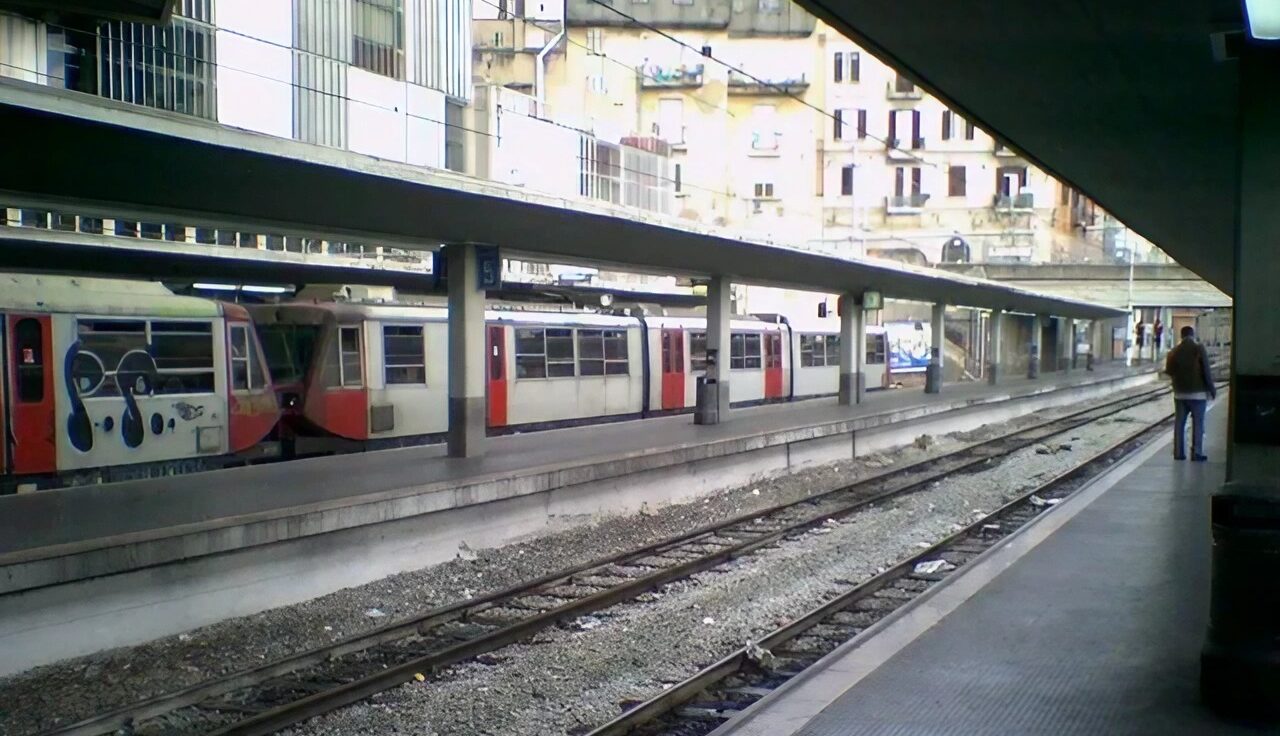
x,y
74,689
571,678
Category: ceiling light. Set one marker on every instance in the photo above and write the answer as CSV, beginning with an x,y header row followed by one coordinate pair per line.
x,y
1264,19
265,289
215,287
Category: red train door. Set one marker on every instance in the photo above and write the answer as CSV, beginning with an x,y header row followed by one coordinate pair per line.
x,y
496,396
773,365
672,369
30,395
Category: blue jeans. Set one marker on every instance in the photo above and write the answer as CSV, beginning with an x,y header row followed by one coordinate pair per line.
x,y
1183,407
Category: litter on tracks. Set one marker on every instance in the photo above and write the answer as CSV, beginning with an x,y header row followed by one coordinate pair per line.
x,y
930,567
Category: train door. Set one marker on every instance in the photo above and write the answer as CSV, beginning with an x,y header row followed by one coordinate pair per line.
x,y
496,395
672,369
30,395
773,365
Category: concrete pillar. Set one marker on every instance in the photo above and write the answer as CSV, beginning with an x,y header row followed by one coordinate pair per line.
x,y
996,325
1095,343
1240,664
1033,347
853,350
466,353
1067,343
713,397
933,374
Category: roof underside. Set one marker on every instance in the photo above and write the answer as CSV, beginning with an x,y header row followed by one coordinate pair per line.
x,y
156,166
88,12
1123,100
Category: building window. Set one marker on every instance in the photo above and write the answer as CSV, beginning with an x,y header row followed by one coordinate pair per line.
x,y
969,131
544,353
28,351
602,353
902,85
770,6
350,371
862,124
837,69
846,66
948,120
377,28
837,132
595,41
764,190
764,134
165,67
955,181
404,354
1011,180
819,350
697,351
671,120
900,180
744,351
846,180
855,67
682,2
875,349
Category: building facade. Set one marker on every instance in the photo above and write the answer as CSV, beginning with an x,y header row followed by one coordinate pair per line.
x,y
779,126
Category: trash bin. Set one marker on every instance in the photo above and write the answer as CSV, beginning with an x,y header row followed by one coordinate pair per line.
x,y
707,408
1240,663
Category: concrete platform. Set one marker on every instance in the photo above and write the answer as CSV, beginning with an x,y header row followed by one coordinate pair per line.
x,y
181,552
1090,621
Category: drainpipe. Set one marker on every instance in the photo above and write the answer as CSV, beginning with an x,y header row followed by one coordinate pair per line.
x,y
540,70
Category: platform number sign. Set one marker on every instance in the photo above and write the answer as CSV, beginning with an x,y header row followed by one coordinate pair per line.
x,y
488,267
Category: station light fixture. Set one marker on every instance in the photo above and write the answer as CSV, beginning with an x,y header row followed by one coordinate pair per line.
x,y
1264,19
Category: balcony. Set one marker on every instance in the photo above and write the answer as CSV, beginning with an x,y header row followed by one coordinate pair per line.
x,y
1022,202
653,76
911,204
895,152
1003,151
740,84
903,89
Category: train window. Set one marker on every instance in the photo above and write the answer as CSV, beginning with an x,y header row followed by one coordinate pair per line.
x,y
602,352
404,354
289,349
544,353
813,351
239,358
28,356
744,350
349,356
833,350
875,349
697,351
559,353
183,355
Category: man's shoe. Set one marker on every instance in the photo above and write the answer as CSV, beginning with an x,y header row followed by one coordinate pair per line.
x,y
1179,457
1199,458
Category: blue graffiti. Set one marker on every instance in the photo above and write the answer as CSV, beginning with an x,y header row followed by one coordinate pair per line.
x,y
84,374
79,426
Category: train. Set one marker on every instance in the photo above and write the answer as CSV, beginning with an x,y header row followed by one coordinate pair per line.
x,y
111,380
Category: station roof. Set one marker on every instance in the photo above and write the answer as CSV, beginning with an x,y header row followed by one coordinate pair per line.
x,y
1124,100
88,12
162,167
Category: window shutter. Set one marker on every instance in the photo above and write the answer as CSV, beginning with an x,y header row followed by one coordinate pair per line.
x,y
855,67
898,184
846,180
946,125
956,181
838,127
968,130
862,123
916,141
838,69
893,128
915,180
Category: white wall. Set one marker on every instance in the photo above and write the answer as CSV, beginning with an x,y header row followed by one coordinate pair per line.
x,y
535,154
255,70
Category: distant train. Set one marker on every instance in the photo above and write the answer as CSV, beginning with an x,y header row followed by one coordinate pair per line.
x,y
355,375
109,380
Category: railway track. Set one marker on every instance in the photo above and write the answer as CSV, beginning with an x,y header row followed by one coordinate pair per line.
x,y
287,691
708,699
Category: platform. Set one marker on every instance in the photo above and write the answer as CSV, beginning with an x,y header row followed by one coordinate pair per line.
x,y
89,567
1090,621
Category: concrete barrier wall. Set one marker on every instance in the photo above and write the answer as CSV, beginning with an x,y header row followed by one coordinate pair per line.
x,y
132,591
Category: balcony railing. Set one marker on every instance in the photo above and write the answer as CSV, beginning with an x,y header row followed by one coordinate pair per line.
x,y
903,89
740,84
653,76
910,204
894,150
1022,202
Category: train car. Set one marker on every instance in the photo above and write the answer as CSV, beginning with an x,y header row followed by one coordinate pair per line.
x,y
816,357
361,375
759,361
109,380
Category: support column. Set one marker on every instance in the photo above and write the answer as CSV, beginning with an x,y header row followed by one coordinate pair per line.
x,y
713,394
1067,341
466,352
1033,347
1095,343
853,350
997,343
933,374
1240,664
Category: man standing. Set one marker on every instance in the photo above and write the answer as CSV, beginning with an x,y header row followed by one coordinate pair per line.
x,y
1157,338
1140,333
1188,365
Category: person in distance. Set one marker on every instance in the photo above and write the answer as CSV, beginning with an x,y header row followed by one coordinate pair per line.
x,y
1188,366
